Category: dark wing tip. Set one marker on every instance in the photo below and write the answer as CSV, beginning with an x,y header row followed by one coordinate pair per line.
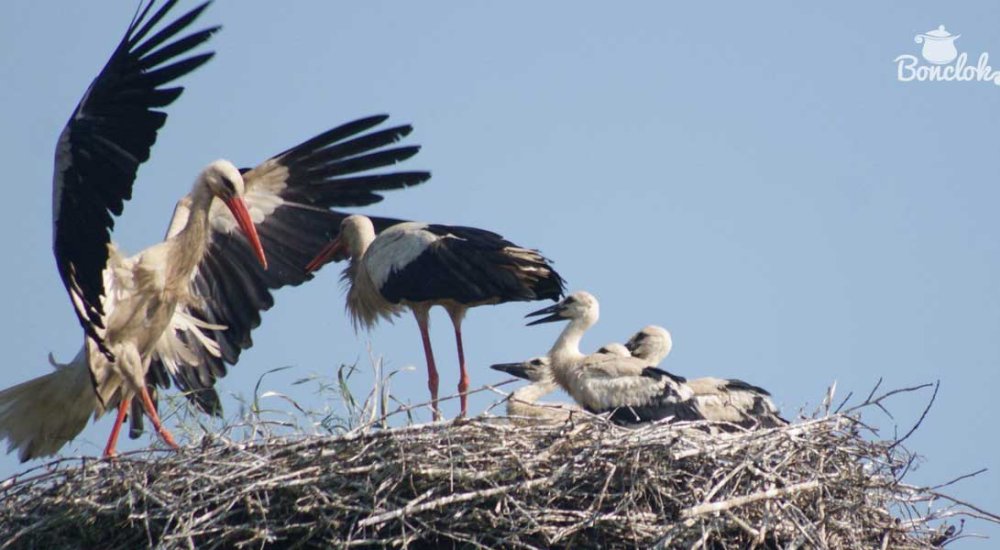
x,y
659,374
110,133
339,167
737,384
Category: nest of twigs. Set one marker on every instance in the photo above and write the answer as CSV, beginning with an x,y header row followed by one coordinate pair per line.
x,y
485,482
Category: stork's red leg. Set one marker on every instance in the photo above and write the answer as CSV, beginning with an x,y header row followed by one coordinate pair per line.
x,y
123,405
463,378
147,404
432,373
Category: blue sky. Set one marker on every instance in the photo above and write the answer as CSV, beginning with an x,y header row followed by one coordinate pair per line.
x,y
752,177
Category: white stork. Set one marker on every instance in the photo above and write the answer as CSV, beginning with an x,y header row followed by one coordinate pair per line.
x,y
719,399
523,402
180,308
629,388
420,265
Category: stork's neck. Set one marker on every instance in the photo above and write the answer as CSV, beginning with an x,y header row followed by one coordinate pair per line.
x,y
191,241
533,392
522,401
359,241
567,346
364,301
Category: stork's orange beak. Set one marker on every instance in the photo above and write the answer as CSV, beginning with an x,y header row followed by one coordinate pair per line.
x,y
324,256
239,209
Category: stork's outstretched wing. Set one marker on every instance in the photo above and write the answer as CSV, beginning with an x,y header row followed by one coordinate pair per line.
x,y
108,136
289,197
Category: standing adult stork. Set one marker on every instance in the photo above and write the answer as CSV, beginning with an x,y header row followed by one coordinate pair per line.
x,y
420,265
183,306
627,387
720,399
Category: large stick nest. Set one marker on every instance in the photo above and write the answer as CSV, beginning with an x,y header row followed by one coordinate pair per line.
x,y
485,482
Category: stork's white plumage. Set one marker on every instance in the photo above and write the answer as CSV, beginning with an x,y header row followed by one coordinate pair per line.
x,y
614,348
522,403
629,388
180,308
719,399
653,344
420,265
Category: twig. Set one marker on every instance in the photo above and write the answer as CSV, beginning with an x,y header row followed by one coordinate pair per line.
x,y
711,507
923,415
450,499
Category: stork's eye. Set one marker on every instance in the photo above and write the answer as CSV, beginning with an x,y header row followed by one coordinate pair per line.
x,y
536,362
229,185
569,300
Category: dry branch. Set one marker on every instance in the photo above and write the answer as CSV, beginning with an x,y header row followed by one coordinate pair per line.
x,y
826,482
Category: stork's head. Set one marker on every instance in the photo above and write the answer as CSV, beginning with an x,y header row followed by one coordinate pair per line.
x,y
614,348
651,344
356,233
538,369
579,305
225,182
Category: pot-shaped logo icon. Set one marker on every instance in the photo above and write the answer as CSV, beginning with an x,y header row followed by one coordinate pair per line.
x,y
939,46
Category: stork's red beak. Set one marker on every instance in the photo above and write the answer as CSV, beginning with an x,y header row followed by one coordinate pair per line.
x,y
329,251
239,210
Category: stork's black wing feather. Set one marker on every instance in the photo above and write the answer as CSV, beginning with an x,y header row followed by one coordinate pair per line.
x,y
658,374
656,410
667,404
100,149
291,194
470,266
736,384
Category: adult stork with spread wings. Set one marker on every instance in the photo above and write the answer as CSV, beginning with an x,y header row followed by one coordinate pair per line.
x,y
183,307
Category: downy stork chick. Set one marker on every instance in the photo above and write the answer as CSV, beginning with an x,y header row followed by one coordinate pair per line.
x,y
719,399
627,387
523,402
652,344
614,348
420,265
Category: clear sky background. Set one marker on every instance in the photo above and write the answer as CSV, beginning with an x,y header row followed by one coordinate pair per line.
x,y
751,176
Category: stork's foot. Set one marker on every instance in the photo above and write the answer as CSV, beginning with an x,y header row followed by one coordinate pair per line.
x,y
147,404
168,438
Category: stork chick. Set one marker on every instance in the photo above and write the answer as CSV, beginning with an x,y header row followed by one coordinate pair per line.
x,y
629,388
523,402
719,399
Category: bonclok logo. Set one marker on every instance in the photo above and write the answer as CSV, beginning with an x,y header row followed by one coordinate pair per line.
x,y
939,45
943,62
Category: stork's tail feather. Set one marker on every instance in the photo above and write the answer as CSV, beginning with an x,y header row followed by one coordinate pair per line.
x,y
545,283
41,415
